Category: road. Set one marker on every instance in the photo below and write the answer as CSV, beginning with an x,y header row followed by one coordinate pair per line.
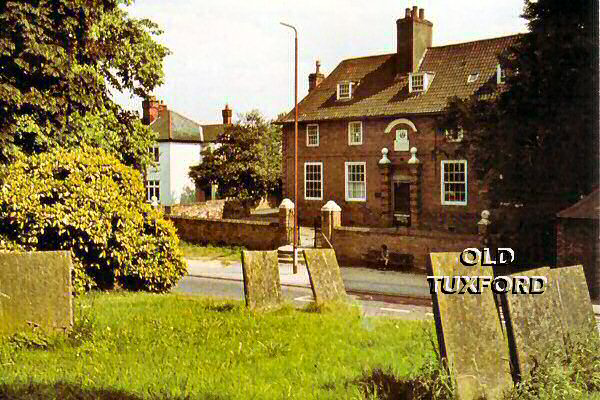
x,y
390,306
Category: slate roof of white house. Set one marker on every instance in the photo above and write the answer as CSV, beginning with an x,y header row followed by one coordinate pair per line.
x,y
172,126
381,92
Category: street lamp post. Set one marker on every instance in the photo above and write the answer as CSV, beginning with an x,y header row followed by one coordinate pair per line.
x,y
295,256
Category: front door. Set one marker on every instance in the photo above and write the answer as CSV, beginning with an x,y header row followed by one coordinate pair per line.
x,y
402,203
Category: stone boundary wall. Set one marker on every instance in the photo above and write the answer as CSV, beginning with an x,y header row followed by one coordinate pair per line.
x,y
254,235
352,244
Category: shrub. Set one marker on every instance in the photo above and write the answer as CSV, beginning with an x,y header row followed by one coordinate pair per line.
x,y
86,201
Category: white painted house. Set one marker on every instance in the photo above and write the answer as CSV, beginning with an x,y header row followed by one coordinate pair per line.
x,y
179,146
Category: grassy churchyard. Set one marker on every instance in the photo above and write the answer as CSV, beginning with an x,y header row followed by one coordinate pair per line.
x,y
134,345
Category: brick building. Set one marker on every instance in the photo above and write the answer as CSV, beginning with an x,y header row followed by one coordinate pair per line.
x,y
577,239
367,137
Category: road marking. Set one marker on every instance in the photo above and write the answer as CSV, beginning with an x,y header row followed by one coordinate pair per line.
x,y
395,309
308,298
429,314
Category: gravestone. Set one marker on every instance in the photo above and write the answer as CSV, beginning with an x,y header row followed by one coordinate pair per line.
x,y
35,291
325,276
538,322
577,310
533,322
469,333
262,288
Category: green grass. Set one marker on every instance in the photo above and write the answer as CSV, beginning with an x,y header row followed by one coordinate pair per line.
x,y
132,346
227,254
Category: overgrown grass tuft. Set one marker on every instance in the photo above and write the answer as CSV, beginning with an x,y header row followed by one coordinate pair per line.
x,y
227,254
562,374
144,346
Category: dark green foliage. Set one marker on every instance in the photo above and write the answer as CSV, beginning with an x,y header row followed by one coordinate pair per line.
x,y
86,201
58,60
247,164
536,142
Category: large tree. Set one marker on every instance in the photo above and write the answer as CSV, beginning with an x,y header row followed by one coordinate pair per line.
x,y
536,142
59,62
246,162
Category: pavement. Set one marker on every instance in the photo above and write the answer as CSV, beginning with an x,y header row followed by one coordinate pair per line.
x,y
356,279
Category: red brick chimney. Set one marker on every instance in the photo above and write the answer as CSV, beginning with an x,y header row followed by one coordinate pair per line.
x,y
315,78
151,109
227,113
414,34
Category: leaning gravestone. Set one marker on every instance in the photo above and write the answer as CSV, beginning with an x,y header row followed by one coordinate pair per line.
x,y
35,290
469,333
577,310
542,321
262,289
325,276
533,322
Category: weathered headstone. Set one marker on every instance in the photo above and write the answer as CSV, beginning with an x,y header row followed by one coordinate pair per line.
x,y
262,288
537,322
35,290
532,321
469,333
577,310
325,276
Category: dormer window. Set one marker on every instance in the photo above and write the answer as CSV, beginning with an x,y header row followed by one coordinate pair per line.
x,y
500,75
473,77
419,82
344,90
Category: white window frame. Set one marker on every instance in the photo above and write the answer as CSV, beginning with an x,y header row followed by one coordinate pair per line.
x,y
354,163
350,124
320,164
308,144
152,189
500,75
473,77
442,183
155,153
427,79
339,85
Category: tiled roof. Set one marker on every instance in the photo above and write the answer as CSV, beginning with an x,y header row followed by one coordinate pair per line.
x,y
381,92
173,126
586,208
212,131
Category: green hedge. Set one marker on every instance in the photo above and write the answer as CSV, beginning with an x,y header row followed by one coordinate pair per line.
x,y
86,201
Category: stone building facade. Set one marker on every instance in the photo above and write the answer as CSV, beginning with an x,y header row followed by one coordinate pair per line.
x,y
367,135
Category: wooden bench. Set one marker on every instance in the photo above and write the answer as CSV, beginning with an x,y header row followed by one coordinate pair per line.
x,y
396,261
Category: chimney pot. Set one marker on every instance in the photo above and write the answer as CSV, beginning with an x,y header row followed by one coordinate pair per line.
x,y
407,15
315,78
150,108
421,13
414,12
227,113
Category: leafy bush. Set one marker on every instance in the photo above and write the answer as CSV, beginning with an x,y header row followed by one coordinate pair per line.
x,y
86,201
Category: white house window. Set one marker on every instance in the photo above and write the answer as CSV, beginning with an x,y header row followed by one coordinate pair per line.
x,y
312,135
344,90
313,181
155,153
473,77
500,75
356,181
419,82
454,182
152,189
355,133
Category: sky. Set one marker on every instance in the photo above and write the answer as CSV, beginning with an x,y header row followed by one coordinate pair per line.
x,y
236,52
